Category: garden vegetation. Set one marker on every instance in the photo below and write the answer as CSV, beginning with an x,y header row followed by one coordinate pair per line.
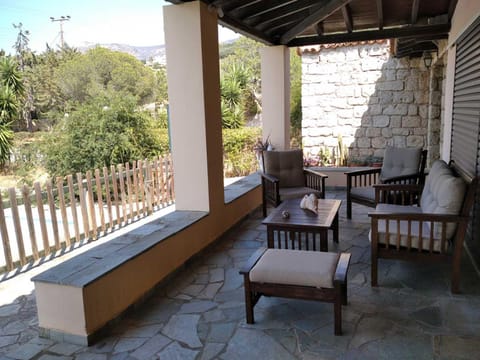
x,y
99,108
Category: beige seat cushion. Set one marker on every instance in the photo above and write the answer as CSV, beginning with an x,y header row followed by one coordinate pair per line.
x,y
414,232
296,267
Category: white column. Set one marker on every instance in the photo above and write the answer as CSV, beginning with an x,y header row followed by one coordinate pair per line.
x,y
191,41
276,95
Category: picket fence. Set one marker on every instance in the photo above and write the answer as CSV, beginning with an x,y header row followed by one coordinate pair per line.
x,y
80,209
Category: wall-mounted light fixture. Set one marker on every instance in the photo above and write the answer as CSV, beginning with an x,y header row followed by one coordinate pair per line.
x,y
427,59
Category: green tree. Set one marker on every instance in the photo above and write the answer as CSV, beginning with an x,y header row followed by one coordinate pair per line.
x,y
89,75
11,88
109,130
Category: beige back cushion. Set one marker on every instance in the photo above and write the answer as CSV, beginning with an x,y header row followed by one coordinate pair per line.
x,y
443,193
400,162
287,166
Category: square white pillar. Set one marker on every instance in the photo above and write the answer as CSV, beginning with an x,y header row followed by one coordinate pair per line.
x,y
191,41
275,63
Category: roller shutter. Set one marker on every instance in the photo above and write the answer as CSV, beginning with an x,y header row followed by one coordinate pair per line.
x,y
465,150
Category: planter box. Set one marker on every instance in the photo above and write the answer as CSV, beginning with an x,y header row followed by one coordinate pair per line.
x,y
336,175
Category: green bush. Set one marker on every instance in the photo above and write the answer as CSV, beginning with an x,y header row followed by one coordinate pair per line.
x,y
238,151
103,133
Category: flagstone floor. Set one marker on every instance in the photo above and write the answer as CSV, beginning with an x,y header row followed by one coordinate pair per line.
x,y
199,313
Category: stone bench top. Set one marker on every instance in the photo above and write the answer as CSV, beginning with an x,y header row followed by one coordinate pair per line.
x,y
97,262
241,187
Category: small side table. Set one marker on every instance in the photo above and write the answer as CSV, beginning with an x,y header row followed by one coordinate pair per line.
x,y
302,228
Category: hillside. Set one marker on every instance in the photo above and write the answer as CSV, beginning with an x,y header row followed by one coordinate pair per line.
x,y
150,54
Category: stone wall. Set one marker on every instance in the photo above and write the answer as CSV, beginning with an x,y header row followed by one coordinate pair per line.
x,y
371,99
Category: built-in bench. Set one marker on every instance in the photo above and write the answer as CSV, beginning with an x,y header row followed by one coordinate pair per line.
x,y
79,297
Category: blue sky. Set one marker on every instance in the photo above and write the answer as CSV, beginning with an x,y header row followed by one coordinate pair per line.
x,y
132,22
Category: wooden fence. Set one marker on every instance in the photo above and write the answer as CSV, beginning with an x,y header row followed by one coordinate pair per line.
x,y
80,208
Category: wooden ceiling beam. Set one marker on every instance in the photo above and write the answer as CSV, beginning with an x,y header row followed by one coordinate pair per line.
x,y
380,14
414,17
319,13
451,9
347,17
399,32
319,28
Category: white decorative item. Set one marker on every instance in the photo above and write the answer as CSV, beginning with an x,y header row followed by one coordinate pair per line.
x,y
309,202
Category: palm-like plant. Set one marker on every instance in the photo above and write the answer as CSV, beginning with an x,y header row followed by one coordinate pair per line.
x,y
10,76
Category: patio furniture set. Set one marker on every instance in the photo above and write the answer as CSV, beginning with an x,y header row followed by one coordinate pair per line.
x,y
416,218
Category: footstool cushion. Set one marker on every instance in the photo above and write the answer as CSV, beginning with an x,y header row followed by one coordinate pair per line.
x,y
296,267
299,274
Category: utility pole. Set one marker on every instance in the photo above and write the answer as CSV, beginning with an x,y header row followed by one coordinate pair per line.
x,y
61,19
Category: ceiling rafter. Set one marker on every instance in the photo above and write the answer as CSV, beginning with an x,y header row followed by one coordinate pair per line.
x,y
319,14
319,28
267,25
414,17
347,17
380,14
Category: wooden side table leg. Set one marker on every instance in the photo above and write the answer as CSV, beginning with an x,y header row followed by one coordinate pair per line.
x,y
324,240
335,228
270,239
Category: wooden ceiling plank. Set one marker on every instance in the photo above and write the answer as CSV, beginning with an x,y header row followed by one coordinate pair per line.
x,y
414,17
319,14
255,19
258,8
347,17
399,32
380,14
241,28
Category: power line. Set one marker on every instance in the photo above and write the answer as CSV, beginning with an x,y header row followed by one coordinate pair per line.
x,y
61,19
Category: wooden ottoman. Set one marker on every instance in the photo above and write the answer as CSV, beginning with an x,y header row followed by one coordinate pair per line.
x,y
297,274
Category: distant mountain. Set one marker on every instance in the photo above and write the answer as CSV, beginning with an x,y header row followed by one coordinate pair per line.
x,y
149,54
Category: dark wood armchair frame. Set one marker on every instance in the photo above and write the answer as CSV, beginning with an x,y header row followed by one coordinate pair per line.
x,y
393,250
370,177
271,187
336,295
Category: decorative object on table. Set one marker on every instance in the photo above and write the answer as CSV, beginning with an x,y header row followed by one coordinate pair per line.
x,y
309,202
285,214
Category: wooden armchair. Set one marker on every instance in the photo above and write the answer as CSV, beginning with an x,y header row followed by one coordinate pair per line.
x,y
400,166
433,231
284,177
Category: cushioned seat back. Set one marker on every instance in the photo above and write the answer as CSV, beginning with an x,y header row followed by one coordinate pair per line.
x,y
287,166
400,162
443,193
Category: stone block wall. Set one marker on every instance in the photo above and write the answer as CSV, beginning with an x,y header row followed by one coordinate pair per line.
x,y
361,92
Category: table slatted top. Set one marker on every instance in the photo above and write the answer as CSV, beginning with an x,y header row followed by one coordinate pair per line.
x,y
327,210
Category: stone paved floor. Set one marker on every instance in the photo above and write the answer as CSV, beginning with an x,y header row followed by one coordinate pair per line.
x,y
199,314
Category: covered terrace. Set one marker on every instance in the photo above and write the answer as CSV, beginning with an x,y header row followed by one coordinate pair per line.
x,y
197,309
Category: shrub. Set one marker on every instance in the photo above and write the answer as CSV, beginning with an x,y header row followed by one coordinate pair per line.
x,y
238,151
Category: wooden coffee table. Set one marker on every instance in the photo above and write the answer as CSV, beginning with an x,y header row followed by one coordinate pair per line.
x,y
303,229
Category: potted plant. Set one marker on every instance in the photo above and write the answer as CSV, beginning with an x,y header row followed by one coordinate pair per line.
x,y
259,147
